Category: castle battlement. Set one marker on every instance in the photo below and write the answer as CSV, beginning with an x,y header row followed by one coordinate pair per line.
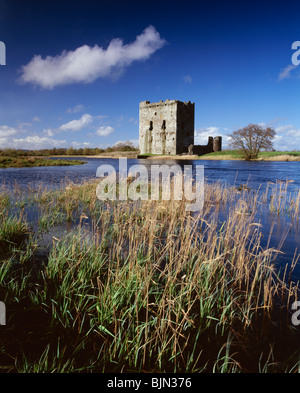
x,y
160,103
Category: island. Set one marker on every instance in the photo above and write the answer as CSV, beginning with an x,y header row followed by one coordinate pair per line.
x,y
20,162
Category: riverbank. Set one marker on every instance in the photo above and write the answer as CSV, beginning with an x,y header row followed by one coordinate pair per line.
x,y
134,154
115,155
22,162
230,155
262,156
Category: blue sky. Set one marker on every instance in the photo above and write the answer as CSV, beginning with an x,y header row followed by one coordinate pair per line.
x,y
76,70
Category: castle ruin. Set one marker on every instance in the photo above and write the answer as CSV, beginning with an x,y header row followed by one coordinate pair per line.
x,y
167,127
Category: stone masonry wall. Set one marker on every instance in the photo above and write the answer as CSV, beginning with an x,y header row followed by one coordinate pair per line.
x,y
157,128
167,127
214,144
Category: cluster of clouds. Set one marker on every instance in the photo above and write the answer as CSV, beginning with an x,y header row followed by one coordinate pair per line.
x,y
84,122
15,137
86,64
287,137
93,128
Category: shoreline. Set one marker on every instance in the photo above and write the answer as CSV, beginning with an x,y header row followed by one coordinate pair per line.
x,y
279,158
30,162
116,156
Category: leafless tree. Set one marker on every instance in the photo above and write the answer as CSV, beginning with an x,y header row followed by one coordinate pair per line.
x,y
252,139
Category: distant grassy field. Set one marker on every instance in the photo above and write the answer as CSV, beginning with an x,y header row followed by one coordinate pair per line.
x,y
264,155
20,162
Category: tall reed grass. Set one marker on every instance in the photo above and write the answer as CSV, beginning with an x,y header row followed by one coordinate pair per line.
x,y
147,286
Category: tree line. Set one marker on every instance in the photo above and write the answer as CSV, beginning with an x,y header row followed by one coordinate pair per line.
x,y
71,151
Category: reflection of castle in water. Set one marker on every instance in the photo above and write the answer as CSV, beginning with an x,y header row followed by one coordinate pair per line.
x,y
167,127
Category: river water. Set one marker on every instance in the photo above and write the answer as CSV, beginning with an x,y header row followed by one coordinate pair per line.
x,y
255,174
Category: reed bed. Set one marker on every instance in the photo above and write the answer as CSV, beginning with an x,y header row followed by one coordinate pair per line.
x,y
147,286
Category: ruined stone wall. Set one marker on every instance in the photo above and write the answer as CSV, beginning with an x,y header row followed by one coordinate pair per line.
x,y
217,143
214,144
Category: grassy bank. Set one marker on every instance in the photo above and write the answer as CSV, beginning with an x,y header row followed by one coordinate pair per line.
x,y
20,162
144,286
231,155
262,156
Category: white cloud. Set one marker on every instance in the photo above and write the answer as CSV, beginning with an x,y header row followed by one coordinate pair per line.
x,y
288,129
6,131
85,64
133,120
34,142
286,72
104,130
287,138
75,109
202,134
187,79
49,132
77,125
36,118
78,145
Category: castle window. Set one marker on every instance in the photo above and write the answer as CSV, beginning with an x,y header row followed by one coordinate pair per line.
x,y
151,126
163,125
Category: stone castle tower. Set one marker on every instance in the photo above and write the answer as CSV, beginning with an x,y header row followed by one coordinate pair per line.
x,y
167,127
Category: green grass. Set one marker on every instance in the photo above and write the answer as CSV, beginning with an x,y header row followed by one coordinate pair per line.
x,y
237,154
12,228
233,153
19,162
279,153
